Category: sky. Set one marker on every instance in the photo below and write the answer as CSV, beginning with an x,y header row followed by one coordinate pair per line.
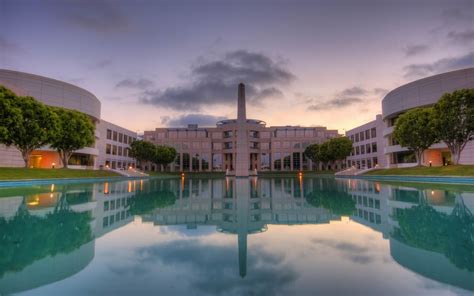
x,y
169,63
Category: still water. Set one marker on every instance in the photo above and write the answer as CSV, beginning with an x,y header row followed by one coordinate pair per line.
x,y
265,236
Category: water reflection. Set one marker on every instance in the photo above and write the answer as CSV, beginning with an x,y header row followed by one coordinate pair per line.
x,y
430,229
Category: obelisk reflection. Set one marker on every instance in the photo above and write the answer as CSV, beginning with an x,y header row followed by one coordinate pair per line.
x,y
242,195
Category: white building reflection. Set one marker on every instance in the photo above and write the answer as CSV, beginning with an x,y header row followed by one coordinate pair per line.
x,y
379,205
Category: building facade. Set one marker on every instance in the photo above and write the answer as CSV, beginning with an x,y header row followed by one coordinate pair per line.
x,y
422,93
114,147
367,145
61,94
274,148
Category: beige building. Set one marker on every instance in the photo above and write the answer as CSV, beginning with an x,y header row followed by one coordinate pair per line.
x,y
61,94
274,148
114,147
367,145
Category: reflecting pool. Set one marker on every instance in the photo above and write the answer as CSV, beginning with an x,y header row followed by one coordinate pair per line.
x,y
265,236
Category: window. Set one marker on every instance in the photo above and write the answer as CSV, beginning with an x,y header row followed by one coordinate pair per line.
x,y
375,161
105,222
114,150
377,204
296,161
108,147
373,132
367,134
227,134
362,149
361,136
357,150
120,137
106,206
115,136
367,148
109,134
374,147
125,139
120,150
228,145
357,137
352,138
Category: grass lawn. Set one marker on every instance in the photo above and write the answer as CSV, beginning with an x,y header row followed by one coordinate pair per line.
x,y
22,173
450,170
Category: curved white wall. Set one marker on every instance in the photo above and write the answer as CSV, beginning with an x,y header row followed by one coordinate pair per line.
x,y
426,91
51,92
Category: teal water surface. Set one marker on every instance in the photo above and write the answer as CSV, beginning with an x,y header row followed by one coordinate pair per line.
x,y
257,236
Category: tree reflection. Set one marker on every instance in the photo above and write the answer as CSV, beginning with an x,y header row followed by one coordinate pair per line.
x,y
329,195
26,238
154,195
423,227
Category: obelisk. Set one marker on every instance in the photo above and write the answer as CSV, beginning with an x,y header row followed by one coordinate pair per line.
x,y
242,161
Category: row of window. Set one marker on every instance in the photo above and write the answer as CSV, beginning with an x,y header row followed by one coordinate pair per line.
x,y
119,137
230,145
364,135
183,134
364,149
112,204
108,221
281,161
117,150
367,202
369,216
119,164
363,163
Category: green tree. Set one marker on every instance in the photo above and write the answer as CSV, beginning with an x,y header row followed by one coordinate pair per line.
x,y
312,152
340,148
453,118
415,131
164,155
76,131
35,124
10,116
325,153
143,151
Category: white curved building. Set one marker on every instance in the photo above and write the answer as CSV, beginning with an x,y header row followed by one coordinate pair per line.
x,y
60,94
422,93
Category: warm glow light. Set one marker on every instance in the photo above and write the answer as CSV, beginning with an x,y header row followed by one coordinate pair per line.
x,y
129,186
106,187
52,187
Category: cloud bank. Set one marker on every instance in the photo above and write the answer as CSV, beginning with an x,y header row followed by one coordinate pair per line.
x,y
215,82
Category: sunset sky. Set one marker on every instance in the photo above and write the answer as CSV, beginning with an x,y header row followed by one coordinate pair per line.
x,y
169,63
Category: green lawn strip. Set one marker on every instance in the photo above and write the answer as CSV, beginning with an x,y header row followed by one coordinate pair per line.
x,y
430,186
448,171
27,174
